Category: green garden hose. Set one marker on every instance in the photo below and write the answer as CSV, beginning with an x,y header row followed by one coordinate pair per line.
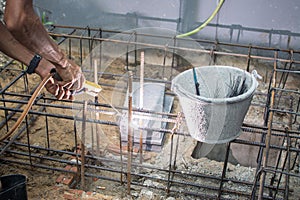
x,y
205,23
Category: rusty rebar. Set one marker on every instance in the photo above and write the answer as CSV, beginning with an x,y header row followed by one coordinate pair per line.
x,y
276,132
269,131
130,133
141,106
148,45
224,170
82,146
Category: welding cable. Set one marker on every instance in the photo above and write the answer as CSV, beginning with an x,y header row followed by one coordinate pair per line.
x,y
205,23
28,106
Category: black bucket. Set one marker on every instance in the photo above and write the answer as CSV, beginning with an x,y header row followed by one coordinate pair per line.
x,y
13,187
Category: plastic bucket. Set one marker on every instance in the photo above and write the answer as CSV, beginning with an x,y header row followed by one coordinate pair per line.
x,y
216,115
13,187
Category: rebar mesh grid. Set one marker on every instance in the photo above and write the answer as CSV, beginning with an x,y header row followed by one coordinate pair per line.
x,y
279,104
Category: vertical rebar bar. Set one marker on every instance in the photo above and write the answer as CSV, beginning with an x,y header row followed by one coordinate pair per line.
x,y
224,169
249,58
135,50
82,146
98,127
285,75
100,49
174,129
129,144
212,60
18,134
7,117
170,164
47,127
80,51
174,56
90,41
287,180
280,155
127,59
297,110
165,60
176,151
287,129
28,139
70,49
26,87
268,137
95,71
141,103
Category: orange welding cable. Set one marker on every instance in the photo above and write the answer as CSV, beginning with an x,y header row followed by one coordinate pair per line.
x,y
28,107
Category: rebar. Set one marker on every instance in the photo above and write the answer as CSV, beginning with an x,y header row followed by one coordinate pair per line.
x,y
82,145
173,176
141,105
130,140
268,136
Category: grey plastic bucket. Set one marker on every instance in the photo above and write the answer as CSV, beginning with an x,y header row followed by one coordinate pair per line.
x,y
13,187
216,115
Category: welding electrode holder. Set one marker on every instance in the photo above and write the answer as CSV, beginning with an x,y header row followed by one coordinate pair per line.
x,y
56,76
33,64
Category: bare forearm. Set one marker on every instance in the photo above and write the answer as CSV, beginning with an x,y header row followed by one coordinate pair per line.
x,y
25,36
27,28
11,47
14,49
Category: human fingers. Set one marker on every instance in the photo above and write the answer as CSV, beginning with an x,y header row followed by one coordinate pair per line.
x,y
71,76
61,93
65,94
52,88
75,84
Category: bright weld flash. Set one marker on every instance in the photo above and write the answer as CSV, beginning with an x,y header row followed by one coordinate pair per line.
x,y
90,88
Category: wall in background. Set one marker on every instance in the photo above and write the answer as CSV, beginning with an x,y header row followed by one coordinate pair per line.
x,y
261,22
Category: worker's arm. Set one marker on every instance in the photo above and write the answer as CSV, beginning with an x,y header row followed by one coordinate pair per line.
x,y
21,20
14,49
26,27
11,47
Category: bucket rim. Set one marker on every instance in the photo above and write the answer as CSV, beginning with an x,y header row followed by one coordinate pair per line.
x,y
182,92
16,185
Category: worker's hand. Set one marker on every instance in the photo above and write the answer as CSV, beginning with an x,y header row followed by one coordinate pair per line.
x,y
71,75
61,89
60,92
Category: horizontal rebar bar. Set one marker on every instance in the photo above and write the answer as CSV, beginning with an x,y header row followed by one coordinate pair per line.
x,y
183,39
220,53
178,178
175,182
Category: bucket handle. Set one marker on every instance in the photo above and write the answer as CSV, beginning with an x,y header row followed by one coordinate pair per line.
x,y
255,74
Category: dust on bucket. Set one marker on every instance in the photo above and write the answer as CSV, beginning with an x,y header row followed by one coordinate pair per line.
x,y
217,113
